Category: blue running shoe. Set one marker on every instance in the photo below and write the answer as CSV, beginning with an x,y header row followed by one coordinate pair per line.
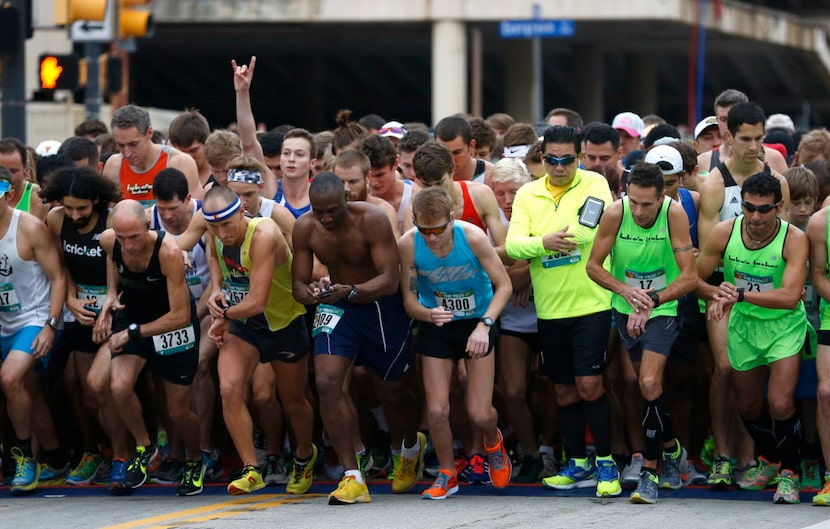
x,y
608,478
26,472
117,473
479,470
647,490
573,476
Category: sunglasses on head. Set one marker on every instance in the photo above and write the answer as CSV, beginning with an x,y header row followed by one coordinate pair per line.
x,y
765,208
391,130
438,230
553,160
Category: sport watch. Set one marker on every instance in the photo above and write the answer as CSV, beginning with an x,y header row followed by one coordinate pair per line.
x,y
352,294
54,323
134,331
488,321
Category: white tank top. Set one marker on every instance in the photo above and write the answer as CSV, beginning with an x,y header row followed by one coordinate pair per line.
x,y
24,288
198,275
406,199
266,207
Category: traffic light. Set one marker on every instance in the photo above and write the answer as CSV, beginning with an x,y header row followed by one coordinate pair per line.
x,y
58,72
9,29
135,19
69,11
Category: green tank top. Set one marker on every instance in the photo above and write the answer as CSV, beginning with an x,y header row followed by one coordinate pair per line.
x,y
758,270
644,258
281,308
25,199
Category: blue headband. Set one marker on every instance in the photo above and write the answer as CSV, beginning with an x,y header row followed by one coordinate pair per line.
x,y
222,214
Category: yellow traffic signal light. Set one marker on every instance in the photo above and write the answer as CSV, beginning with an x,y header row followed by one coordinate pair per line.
x,y
135,19
68,11
58,72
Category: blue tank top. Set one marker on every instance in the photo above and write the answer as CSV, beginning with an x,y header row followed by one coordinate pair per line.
x,y
457,282
688,204
279,198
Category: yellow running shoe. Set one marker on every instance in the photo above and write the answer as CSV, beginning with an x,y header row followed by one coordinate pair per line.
x,y
302,474
406,474
349,491
822,497
250,480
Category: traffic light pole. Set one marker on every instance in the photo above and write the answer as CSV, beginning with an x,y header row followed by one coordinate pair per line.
x,y
92,94
13,106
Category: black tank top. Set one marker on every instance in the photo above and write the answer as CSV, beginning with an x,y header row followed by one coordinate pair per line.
x,y
85,259
144,292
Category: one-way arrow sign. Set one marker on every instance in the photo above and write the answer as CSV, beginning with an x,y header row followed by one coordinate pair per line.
x,y
95,31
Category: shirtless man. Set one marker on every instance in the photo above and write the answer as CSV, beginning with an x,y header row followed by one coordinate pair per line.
x,y
360,319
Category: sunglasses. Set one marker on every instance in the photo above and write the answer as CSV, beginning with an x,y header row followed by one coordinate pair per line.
x,y
438,230
766,208
553,160
391,130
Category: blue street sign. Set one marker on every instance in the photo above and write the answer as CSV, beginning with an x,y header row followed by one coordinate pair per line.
x,y
530,29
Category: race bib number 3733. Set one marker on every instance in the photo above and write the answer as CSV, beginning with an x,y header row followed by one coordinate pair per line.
x,y
173,342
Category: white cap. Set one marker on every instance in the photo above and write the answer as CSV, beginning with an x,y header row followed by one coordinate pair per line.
x,y
392,129
630,123
780,121
47,148
705,123
667,158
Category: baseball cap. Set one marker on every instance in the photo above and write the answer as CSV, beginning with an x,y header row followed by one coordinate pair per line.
x,y
629,122
667,158
47,148
780,121
705,123
392,129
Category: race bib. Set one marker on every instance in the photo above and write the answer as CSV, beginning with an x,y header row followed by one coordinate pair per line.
x,y
752,283
234,292
8,298
326,319
646,280
560,259
176,341
461,304
92,296
194,282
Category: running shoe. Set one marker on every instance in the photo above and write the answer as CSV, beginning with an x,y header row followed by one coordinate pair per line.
x,y
479,470
275,472
631,472
445,485
84,472
721,475
499,465
647,489
670,469
529,470
608,478
549,465
50,475
365,461
822,498
349,492
213,466
573,476
102,477
462,469
707,451
394,465
690,474
407,471
26,472
193,478
136,474
117,472
787,490
167,473
760,476
302,474
810,478
249,480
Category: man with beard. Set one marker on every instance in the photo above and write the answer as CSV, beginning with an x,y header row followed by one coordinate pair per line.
x,y
352,167
77,225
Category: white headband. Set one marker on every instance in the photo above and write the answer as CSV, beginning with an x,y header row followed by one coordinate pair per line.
x,y
516,151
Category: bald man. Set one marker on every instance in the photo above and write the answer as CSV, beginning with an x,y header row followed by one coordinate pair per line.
x,y
153,322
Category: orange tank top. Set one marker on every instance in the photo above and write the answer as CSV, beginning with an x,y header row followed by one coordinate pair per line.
x,y
139,185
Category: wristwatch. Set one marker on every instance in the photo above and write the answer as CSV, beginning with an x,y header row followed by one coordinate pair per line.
x,y
225,311
487,321
352,294
54,323
134,331
655,298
